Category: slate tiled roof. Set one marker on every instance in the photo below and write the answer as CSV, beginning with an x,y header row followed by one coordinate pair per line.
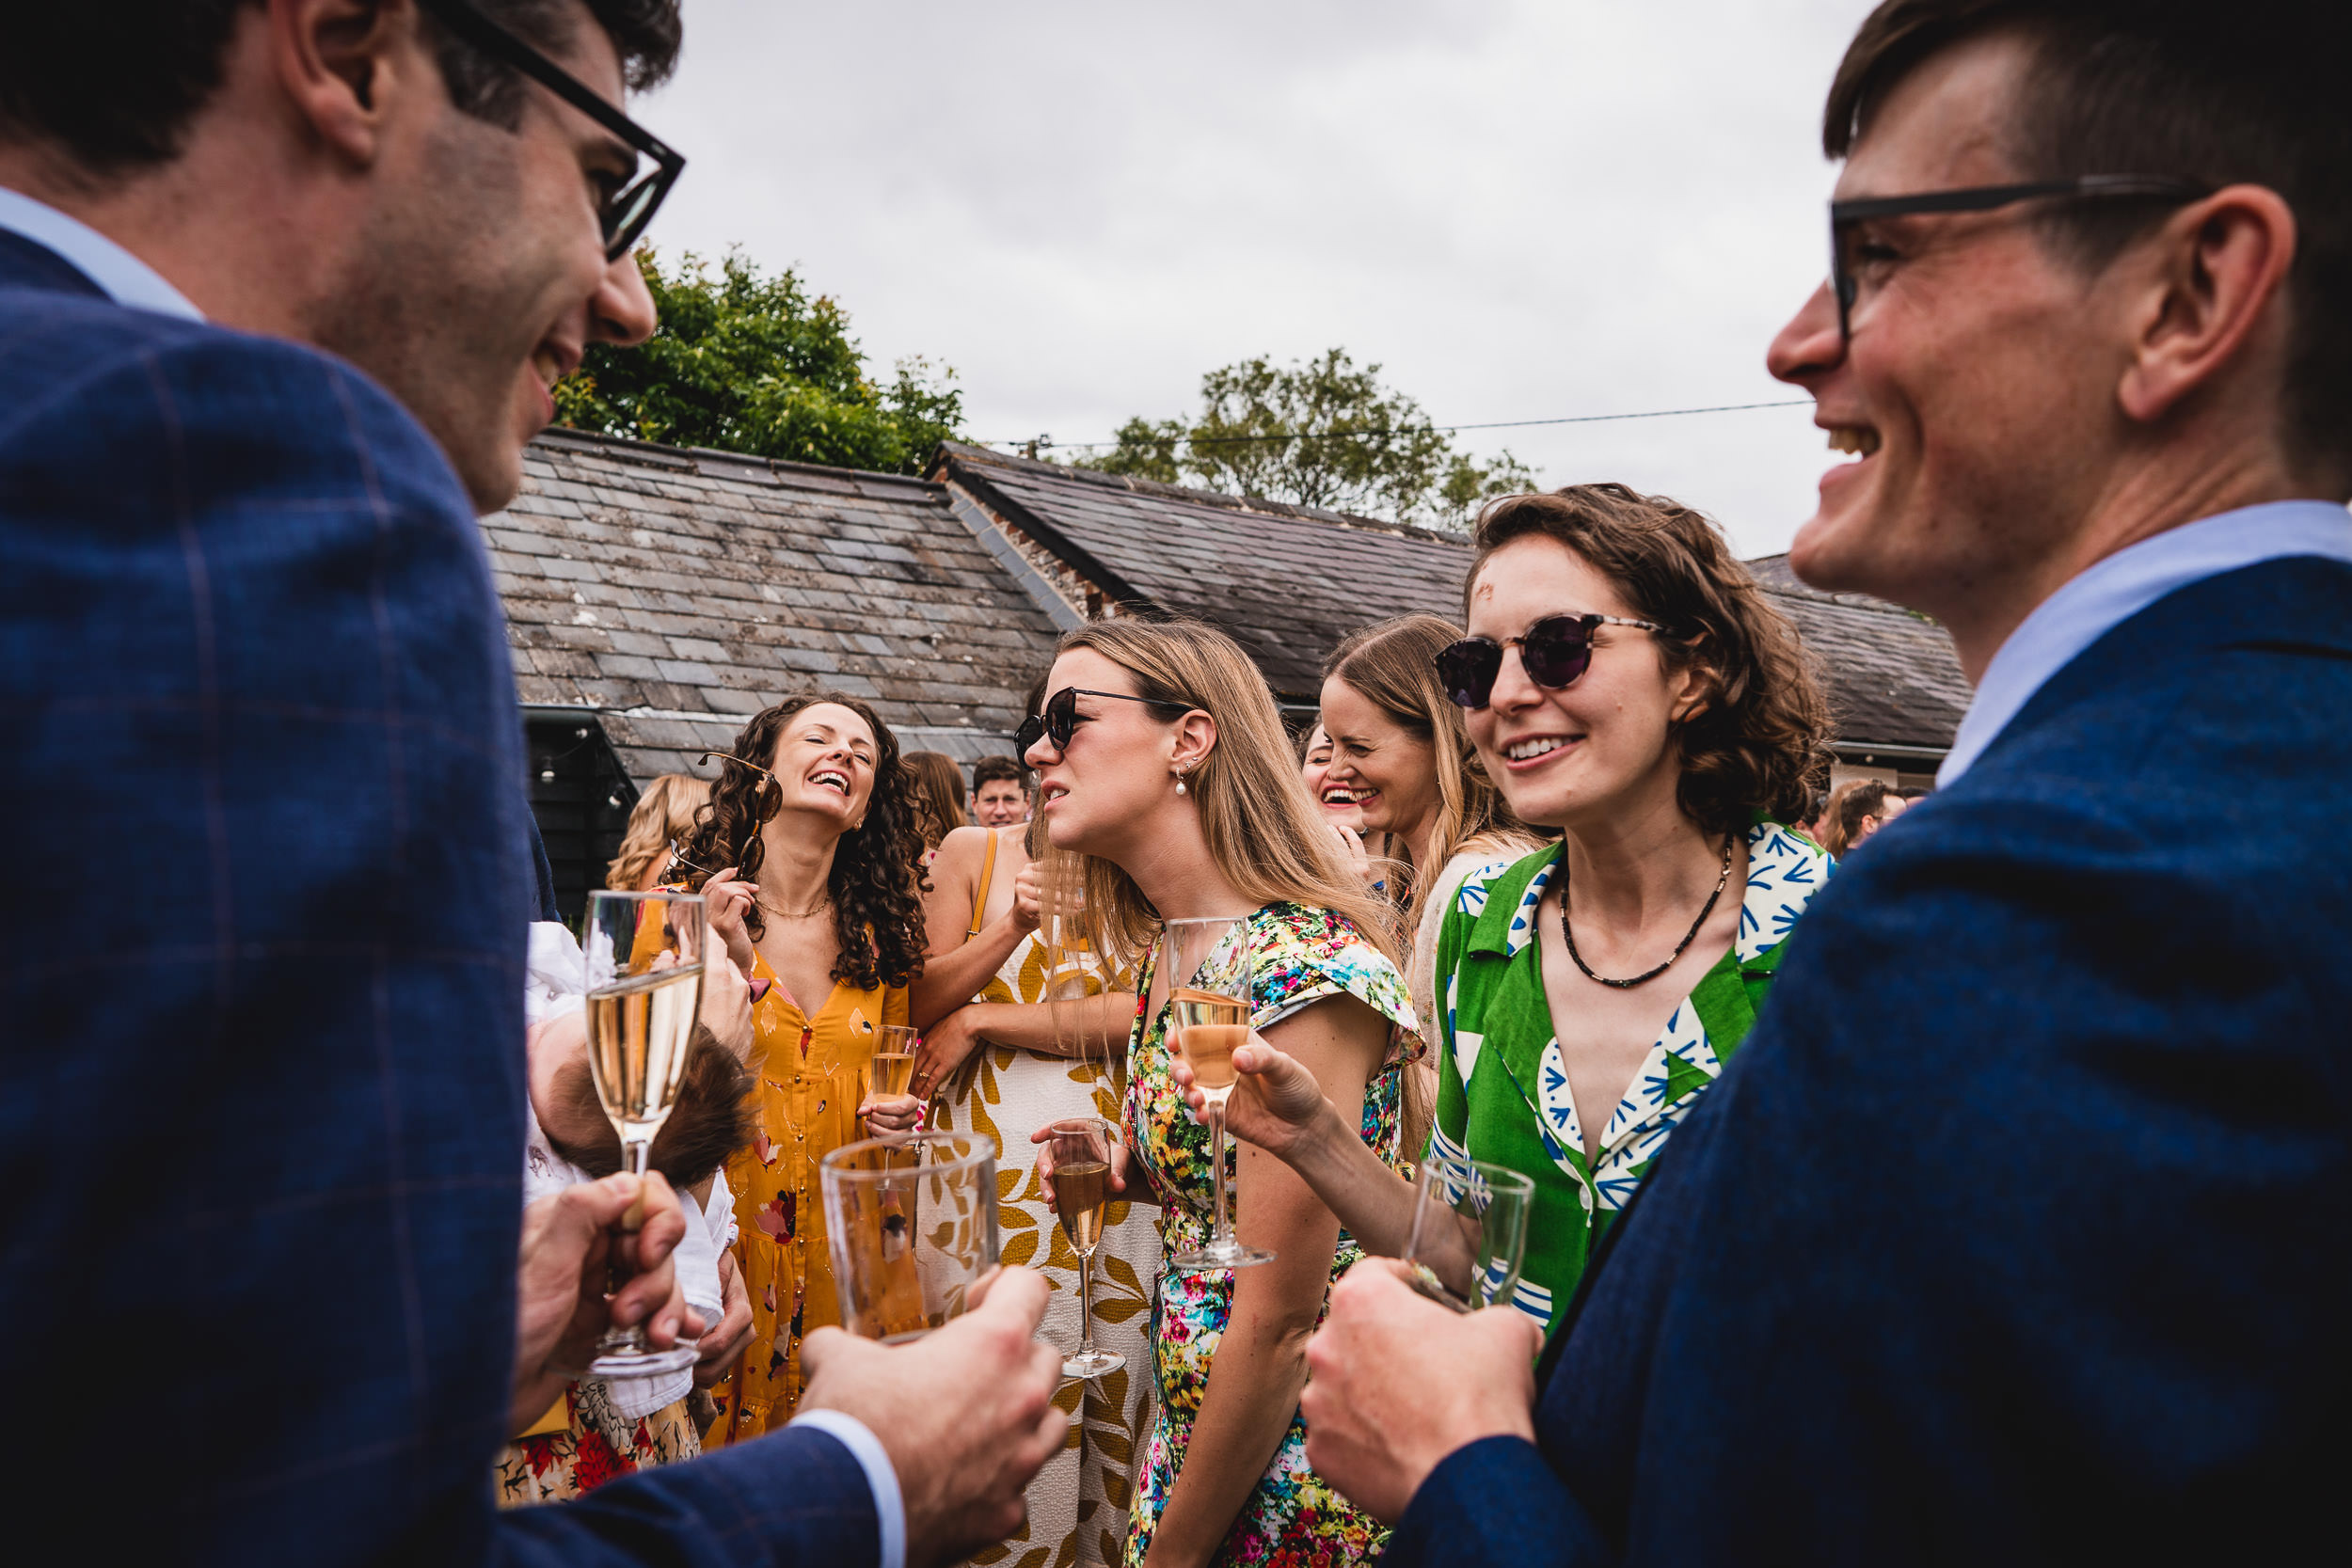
x,y
1287,581
1893,677
682,592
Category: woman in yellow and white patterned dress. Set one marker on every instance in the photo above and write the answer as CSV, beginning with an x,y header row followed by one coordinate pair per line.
x,y
1012,1045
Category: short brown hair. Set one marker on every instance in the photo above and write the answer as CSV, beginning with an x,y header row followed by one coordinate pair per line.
x,y
1760,739
2251,94
988,771
709,1121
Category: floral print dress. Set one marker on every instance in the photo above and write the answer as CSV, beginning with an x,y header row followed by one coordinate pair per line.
x,y
1298,956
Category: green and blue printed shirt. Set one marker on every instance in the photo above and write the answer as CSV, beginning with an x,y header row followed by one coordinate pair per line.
x,y
1503,1087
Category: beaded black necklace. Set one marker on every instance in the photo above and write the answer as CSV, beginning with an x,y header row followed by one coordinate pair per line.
x,y
1684,946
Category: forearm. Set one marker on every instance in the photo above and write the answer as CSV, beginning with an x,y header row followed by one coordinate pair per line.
x,y
1091,1026
1370,1200
951,979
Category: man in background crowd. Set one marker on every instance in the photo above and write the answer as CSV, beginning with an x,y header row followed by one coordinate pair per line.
x,y
2013,1232
1000,793
286,284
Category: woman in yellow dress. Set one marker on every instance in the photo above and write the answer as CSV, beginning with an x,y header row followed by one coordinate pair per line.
x,y
809,858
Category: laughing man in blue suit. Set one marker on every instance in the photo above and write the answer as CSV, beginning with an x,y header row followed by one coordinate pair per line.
x,y
283,285
2021,1231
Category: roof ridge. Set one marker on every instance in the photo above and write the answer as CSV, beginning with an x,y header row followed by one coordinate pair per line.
x,y
655,454
1222,500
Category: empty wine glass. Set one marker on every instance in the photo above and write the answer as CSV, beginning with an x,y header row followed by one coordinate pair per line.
x,y
1082,1150
1469,1231
1205,975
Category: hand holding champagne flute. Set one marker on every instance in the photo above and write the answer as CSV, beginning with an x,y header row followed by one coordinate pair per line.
x,y
1205,969
1082,1150
644,954
890,1104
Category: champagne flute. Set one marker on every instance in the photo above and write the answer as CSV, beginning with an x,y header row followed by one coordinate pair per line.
x,y
1469,1238
892,1074
645,964
1205,972
1082,1148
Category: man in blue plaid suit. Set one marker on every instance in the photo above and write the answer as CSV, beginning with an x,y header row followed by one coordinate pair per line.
x,y
261,1077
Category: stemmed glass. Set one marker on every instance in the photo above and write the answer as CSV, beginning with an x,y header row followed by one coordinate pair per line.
x,y
644,968
1469,1238
1205,965
1082,1148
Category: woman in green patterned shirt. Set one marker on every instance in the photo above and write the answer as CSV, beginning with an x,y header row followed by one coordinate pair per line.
x,y
1627,682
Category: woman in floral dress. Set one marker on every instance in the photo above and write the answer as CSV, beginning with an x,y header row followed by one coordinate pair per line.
x,y
1169,792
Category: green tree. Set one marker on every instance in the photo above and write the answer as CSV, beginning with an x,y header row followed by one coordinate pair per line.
x,y
1318,433
752,363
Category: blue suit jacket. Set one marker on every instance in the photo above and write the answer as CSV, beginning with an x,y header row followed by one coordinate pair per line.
x,y
261,1064
2021,1230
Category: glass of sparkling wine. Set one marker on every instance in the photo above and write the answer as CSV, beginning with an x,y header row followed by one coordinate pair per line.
x,y
645,963
911,1221
892,1074
1082,1148
1469,1238
1204,971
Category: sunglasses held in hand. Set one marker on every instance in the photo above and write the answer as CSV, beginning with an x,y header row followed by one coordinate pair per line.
x,y
1553,652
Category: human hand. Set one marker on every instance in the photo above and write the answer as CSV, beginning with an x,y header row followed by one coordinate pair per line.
x,y
727,1007
1378,1416
943,1049
967,1413
888,1114
1359,859
721,1346
1275,1102
570,1239
1028,893
727,901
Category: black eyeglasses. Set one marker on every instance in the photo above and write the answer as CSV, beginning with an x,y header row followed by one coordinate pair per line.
x,y
1844,215
626,212
1061,718
1554,652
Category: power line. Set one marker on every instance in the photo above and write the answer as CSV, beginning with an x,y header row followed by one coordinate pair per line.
x,y
1404,430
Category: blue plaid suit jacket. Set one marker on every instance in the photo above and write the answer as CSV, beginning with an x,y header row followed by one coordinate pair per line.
x,y
260,1066
2018,1231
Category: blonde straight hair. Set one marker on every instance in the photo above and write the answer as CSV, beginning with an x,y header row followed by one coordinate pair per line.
x,y
1393,664
1265,835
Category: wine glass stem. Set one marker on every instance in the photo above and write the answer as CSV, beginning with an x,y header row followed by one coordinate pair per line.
x,y
1220,1225
1085,1302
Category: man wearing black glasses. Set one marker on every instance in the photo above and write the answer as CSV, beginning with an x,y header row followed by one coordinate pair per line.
x,y
2015,1233
260,1081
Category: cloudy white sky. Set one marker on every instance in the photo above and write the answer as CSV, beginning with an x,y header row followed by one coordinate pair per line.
x,y
1520,209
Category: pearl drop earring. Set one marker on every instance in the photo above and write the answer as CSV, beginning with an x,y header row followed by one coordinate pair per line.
x,y
1180,780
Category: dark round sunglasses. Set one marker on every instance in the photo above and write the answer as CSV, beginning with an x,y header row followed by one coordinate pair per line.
x,y
1553,652
1061,718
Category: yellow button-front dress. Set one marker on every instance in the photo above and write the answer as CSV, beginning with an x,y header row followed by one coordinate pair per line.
x,y
807,1076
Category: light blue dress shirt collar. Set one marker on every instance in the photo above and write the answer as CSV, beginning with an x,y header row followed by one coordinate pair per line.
x,y
126,279
2122,585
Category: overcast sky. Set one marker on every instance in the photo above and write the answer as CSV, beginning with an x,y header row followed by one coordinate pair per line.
x,y
1520,209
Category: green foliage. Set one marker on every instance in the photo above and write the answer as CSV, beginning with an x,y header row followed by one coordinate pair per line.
x,y
756,364
1320,433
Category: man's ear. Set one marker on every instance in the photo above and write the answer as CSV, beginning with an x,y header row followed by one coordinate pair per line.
x,y
345,65
2216,269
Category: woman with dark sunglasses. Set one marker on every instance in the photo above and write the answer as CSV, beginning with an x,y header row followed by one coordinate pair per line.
x,y
1169,791
1625,682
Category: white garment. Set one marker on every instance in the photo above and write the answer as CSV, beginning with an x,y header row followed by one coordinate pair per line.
x,y
126,279
2097,600
556,988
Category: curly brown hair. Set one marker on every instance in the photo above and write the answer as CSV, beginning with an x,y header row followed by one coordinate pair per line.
x,y
877,881
1759,742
